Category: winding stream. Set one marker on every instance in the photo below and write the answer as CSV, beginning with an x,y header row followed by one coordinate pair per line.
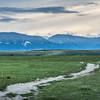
x,y
25,88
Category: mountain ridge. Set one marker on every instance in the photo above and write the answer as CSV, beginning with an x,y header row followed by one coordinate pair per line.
x,y
13,41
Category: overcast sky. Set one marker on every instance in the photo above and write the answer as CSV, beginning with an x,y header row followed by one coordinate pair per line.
x,y
49,17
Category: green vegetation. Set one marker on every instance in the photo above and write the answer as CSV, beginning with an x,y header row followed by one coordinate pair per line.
x,y
17,69
50,52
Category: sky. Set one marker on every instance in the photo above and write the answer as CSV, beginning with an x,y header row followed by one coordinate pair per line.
x,y
49,17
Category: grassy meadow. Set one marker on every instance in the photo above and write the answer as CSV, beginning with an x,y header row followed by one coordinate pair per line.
x,y
21,69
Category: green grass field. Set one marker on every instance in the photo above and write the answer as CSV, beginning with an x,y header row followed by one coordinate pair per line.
x,y
21,69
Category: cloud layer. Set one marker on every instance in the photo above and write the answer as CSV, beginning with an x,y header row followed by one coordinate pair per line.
x,y
7,19
36,10
43,17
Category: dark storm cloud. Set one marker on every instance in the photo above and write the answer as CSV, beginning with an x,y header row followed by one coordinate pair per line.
x,y
7,19
36,10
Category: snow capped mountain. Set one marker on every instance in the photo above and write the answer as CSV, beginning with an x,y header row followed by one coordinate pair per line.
x,y
11,41
26,43
76,42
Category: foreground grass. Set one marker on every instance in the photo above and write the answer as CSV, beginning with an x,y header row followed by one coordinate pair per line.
x,y
17,69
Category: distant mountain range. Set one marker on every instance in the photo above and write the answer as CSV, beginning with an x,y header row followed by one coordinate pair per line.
x,y
12,41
